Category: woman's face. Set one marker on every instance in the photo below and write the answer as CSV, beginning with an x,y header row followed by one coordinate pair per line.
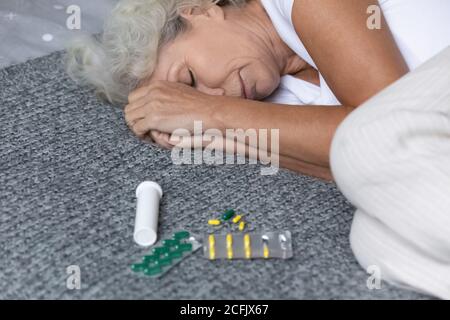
x,y
218,56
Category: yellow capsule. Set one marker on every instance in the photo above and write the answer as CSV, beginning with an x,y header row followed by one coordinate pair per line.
x,y
266,252
237,219
230,246
247,247
212,247
247,241
242,226
214,222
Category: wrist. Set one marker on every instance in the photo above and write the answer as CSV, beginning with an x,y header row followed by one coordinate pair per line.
x,y
218,110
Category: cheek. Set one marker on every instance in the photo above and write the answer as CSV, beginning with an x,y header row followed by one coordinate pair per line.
x,y
210,66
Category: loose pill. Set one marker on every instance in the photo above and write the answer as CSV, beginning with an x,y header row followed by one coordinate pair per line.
x,y
237,219
242,226
214,222
228,215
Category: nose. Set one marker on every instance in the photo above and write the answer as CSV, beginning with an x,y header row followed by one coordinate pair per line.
x,y
211,91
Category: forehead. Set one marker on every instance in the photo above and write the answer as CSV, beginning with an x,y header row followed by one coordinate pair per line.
x,y
171,58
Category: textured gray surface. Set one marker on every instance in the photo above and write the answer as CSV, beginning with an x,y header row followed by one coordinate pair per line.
x,y
24,22
68,171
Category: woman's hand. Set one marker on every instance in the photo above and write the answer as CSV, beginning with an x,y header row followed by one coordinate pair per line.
x,y
162,107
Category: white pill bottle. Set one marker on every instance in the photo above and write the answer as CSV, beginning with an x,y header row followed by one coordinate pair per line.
x,y
148,196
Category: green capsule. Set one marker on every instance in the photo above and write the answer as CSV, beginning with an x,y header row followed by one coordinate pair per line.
x,y
176,254
185,247
160,251
165,260
137,267
170,243
148,259
228,215
154,271
181,235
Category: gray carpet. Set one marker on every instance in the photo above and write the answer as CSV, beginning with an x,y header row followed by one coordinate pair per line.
x,y
68,171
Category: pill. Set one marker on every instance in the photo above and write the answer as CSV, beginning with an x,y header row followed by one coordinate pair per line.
x,y
282,238
237,219
242,226
152,271
165,260
230,246
185,247
138,267
176,254
148,196
181,235
214,222
212,247
170,243
247,247
148,259
228,215
266,252
160,250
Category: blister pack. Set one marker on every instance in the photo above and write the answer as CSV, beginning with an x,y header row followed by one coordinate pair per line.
x,y
257,245
166,256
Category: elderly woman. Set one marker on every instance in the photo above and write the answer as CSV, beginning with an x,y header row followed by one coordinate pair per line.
x,y
246,64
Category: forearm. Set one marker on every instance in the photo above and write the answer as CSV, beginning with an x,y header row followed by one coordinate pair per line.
x,y
306,132
253,152
306,168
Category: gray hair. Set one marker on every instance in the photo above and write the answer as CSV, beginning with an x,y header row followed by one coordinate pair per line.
x,y
115,62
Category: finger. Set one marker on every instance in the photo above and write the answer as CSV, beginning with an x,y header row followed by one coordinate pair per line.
x,y
141,99
142,127
138,93
145,90
131,117
139,103
161,139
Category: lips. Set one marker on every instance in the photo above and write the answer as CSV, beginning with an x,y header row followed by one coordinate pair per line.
x,y
243,89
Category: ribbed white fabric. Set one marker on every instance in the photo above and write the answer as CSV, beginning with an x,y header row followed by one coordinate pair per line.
x,y
391,159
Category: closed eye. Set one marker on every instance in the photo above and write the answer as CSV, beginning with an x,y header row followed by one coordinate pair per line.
x,y
193,82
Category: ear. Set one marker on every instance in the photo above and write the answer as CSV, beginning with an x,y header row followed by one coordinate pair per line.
x,y
212,12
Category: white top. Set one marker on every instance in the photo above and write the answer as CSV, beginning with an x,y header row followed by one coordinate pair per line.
x,y
421,29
